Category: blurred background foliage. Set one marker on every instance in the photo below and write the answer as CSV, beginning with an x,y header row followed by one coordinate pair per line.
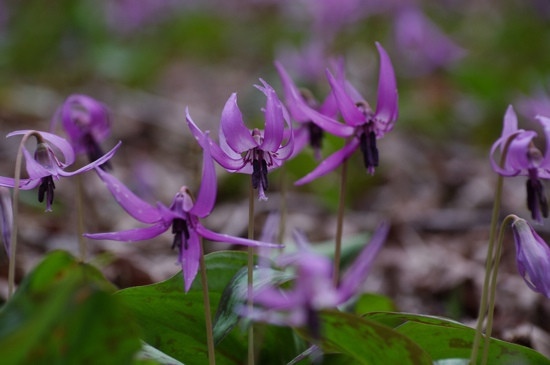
x,y
68,46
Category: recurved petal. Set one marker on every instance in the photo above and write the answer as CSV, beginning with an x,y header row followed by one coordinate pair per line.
x,y
274,120
237,135
545,122
356,274
230,162
510,122
293,98
506,169
24,184
189,259
137,208
386,106
60,143
349,111
218,237
328,124
35,169
330,163
100,161
138,234
517,156
206,197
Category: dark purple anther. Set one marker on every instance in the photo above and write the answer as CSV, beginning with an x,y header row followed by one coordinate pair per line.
x,y
536,199
181,233
369,150
46,187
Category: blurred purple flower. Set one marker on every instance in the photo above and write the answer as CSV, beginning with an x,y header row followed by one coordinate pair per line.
x,y
295,101
363,126
538,103
86,121
45,167
251,152
525,159
313,289
182,215
422,42
533,257
6,211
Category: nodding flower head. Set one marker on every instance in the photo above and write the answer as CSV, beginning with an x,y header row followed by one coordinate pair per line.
x,y
253,151
520,157
182,216
532,256
363,126
87,123
44,167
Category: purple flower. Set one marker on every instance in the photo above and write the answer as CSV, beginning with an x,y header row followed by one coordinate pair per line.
x,y
525,159
182,216
533,257
296,100
313,289
363,126
44,167
86,121
251,151
422,42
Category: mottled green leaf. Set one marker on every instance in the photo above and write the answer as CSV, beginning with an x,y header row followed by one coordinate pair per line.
x,y
448,339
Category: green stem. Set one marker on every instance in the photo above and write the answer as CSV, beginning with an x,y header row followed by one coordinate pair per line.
x,y
80,218
492,290
207,311
340,222
17,179
282,220
250,272
490,255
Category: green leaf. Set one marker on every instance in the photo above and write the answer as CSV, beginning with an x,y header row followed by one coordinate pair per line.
x,y
445,339
370,302
64,313
368,342
173,321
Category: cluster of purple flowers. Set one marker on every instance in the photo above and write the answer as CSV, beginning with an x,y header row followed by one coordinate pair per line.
x,y
239,149
519,156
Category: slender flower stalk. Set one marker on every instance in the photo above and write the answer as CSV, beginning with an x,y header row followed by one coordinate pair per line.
x,y
340,222
250,273
509,134
6,212
207,311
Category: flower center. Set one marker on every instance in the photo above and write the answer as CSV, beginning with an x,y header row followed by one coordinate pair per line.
x,y
46,188
536,198
181,234
367,141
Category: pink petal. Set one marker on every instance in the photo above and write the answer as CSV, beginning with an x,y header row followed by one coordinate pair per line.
x,y
218,237
24,184
56,141
330,163
356,274
100,161
207,192
189,259
237,134
349,111
35,169
386,107
293,98
137,208
217,153
545,122
138,234
274,120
